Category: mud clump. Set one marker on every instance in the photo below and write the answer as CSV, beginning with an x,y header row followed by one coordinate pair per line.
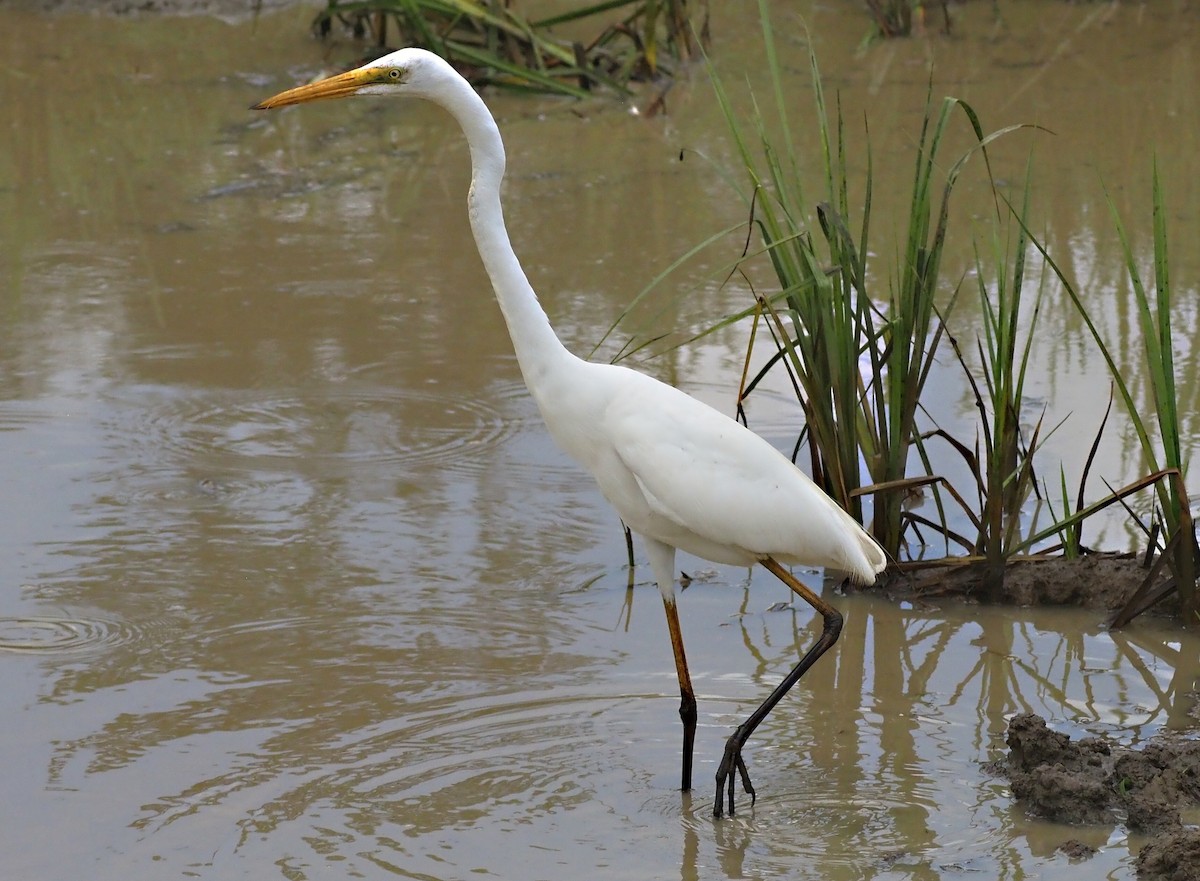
x,y
1171,857
1059,779
1090,782
1099,581
1076,850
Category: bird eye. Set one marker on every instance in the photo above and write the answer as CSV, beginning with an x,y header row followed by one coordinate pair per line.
x,y
394,73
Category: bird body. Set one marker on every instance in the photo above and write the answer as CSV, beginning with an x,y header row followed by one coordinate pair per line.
x,y
687,475
681,474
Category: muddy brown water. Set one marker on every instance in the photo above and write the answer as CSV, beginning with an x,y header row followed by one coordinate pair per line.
x,y
292,581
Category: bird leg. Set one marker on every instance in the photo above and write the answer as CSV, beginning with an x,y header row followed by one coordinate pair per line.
x,y
687,703
733,747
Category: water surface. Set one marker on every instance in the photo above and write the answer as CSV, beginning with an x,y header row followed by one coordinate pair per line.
x,y
293,582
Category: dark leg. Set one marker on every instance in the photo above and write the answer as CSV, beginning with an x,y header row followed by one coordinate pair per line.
x,y
733,747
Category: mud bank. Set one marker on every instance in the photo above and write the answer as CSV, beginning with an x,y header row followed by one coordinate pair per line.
x,y
1093,782
1100,581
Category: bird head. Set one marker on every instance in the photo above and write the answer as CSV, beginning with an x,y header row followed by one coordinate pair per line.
x,y
412,72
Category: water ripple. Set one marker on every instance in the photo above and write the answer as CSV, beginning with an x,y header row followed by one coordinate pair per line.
x,y
18,414
57,635
346,423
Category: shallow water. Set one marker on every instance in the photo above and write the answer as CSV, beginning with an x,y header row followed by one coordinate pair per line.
x,y
294,584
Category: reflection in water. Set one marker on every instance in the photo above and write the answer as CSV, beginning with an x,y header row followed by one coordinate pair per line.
x,y
292,582
392,745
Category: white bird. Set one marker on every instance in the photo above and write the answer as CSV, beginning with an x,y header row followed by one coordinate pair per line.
x,y
681,474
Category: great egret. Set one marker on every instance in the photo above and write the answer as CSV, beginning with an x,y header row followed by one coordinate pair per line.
x,y
681,474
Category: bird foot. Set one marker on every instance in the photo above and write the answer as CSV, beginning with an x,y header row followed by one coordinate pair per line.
x,y
725,777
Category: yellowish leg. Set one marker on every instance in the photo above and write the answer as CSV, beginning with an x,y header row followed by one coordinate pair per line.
x,y
687,703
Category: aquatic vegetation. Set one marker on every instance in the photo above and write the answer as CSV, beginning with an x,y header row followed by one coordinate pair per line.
x,y
859,359
493,44
1158,342
902,18
1005,479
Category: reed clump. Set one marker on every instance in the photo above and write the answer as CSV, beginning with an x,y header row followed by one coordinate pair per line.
x,y
859,352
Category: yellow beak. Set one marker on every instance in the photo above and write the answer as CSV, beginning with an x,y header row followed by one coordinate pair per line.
x,y
332,87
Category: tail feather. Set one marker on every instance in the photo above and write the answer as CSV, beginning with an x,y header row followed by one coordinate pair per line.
x,y
865,557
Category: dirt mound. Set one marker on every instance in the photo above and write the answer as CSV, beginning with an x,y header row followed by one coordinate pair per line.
x,y
1102,581
1171,857
1090,781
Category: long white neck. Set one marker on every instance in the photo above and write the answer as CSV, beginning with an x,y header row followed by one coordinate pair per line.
x,y
539,351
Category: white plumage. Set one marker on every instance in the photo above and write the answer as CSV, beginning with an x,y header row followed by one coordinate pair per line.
x,y
681,474
679,471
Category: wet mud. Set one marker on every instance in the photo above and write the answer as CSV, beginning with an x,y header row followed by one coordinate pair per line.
x,y
1100,581
1093,782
